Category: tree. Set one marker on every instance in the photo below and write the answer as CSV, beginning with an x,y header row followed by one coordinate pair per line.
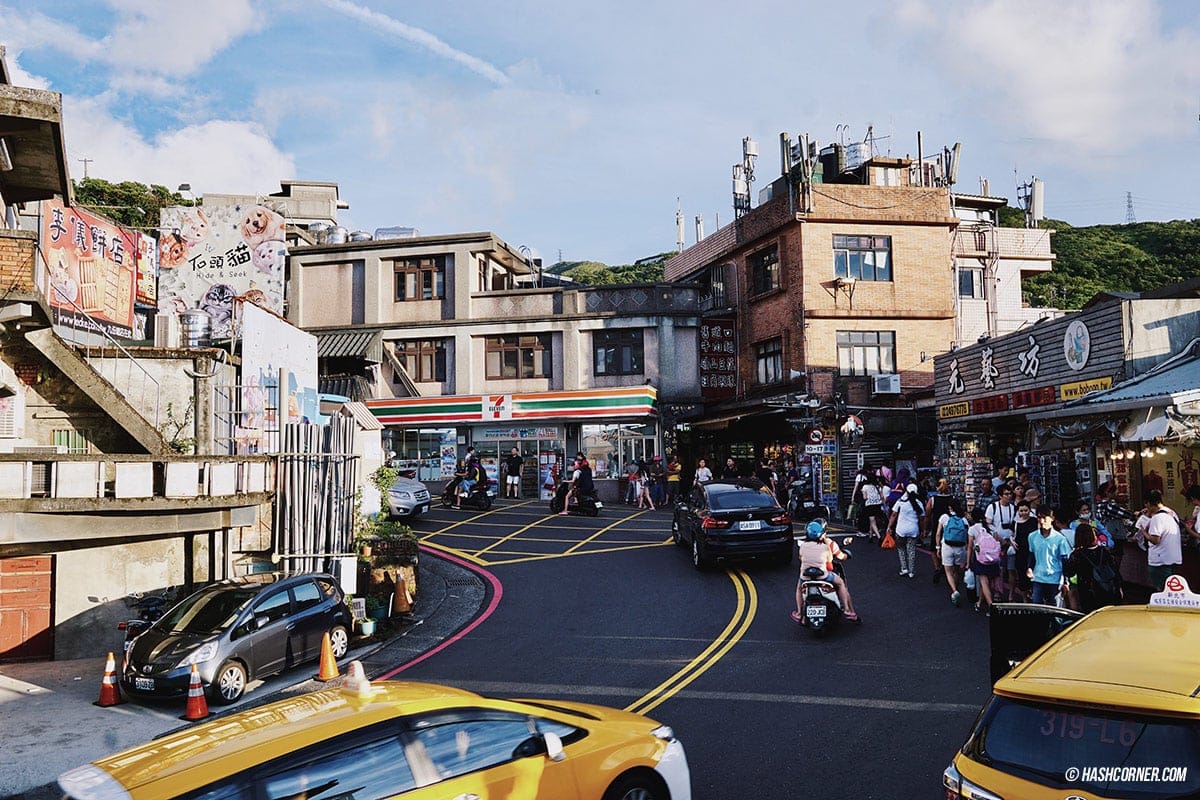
x,y
129,203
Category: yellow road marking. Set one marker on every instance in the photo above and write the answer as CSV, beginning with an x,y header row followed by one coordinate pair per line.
x,y
455,552
548,556
467,520
739,623
594,535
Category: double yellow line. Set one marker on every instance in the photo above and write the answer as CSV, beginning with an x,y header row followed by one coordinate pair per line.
x,y
743,615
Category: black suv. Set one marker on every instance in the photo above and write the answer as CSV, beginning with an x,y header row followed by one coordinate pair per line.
x,y
236,631
732,519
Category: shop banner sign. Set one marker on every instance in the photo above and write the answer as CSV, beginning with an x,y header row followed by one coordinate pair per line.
x,y
1076,390
718,358
952,410
990,405
212,254
90,270
509,434
1042,396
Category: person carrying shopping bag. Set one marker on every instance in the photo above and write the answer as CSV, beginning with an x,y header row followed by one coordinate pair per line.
x,y
907,522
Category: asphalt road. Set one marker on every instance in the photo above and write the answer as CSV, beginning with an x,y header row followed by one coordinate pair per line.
x,y
606,610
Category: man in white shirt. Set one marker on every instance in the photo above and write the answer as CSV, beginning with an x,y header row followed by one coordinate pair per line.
x,y
1165,552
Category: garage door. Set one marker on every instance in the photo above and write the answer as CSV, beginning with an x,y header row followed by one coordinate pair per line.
x,y
25,614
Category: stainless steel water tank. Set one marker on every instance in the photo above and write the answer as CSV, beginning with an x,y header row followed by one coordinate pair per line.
x,y
336,235
195,328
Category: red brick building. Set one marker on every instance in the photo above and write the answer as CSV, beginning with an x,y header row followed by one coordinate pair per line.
x,y
828,311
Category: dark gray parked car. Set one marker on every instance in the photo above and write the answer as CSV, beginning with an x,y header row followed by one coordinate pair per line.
x,y
235,631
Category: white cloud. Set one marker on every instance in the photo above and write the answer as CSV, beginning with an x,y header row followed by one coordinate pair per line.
x,y
220,156
1085,75
148,39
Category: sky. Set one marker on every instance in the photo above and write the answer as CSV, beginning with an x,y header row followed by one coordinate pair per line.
x,y
578,129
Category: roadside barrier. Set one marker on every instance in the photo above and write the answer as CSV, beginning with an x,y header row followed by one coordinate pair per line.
x,y
110,691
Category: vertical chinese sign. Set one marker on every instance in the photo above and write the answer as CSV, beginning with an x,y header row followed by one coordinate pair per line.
x,y
91,268
718,358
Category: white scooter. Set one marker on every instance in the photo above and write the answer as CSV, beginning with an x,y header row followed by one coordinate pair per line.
x,y
822,608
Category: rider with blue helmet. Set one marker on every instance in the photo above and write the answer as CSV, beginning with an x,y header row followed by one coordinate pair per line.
x,y
817,552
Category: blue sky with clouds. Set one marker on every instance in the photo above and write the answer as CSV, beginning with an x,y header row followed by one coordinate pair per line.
x,y
574,127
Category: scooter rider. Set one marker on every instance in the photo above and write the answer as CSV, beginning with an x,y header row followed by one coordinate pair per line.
x,y
817,551
470,476
580,481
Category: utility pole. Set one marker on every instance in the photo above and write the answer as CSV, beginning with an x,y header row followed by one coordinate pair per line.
x,y
86,161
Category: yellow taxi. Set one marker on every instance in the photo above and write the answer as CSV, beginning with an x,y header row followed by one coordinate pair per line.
x,y
398,739
1107,709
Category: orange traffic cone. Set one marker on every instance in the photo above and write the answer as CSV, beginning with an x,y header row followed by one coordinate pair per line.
x,y
197,706
329,667
110,692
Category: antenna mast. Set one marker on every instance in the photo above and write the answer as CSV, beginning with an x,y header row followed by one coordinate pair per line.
x,y
743,177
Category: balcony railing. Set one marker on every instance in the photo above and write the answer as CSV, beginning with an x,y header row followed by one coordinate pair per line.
x,y
133,477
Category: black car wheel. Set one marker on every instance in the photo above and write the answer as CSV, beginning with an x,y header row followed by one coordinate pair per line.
x,y
641,785
229,683
699,559
339,641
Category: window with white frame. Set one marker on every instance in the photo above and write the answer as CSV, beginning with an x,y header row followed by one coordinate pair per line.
x,y
768,357
866,352
970,283
864,258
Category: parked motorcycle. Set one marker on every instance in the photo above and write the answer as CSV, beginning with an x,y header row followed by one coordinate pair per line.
x,y
1116,519
802,506
149,607
582,504
822,608
479,499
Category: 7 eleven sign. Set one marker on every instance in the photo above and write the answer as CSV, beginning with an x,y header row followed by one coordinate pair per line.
x,y
497,406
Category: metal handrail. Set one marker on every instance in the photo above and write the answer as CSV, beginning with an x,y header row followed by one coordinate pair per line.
x,y
113,343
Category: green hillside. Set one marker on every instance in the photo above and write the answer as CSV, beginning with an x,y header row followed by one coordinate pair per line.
x,y
1119,258
595,273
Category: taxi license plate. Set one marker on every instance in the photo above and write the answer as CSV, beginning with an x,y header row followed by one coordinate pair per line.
x,y
144,684
815,612
750,525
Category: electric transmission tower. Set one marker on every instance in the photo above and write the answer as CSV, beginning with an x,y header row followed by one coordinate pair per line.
x,y
1129,215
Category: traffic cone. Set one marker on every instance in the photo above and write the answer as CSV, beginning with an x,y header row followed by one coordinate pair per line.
x,y
356,680
329,667
197,706
110,692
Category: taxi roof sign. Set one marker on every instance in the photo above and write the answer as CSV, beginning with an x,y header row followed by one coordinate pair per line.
x,y
1176,594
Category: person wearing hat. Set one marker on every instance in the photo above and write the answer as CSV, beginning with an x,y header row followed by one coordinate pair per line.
x,y
817,551
907,522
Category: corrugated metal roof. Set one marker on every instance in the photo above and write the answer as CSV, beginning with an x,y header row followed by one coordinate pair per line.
x,y
350,344
1180,379
362,415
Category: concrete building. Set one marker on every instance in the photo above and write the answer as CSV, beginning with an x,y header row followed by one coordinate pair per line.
x,y
453,343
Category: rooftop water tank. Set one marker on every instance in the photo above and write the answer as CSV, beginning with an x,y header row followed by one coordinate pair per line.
x,y
396,232
336,235
360,236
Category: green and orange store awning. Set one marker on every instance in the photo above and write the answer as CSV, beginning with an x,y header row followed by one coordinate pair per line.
x,y
615,403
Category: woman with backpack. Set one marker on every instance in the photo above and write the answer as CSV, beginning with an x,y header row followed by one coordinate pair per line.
x,y
1098,583
984,551
950,540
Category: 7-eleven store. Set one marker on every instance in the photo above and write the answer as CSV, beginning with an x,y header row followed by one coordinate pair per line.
x,y
613,426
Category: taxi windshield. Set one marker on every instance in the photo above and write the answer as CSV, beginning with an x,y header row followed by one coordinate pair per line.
x,y
207,612
1114,754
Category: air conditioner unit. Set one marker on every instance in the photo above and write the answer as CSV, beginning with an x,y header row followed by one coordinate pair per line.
x,y
886,384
